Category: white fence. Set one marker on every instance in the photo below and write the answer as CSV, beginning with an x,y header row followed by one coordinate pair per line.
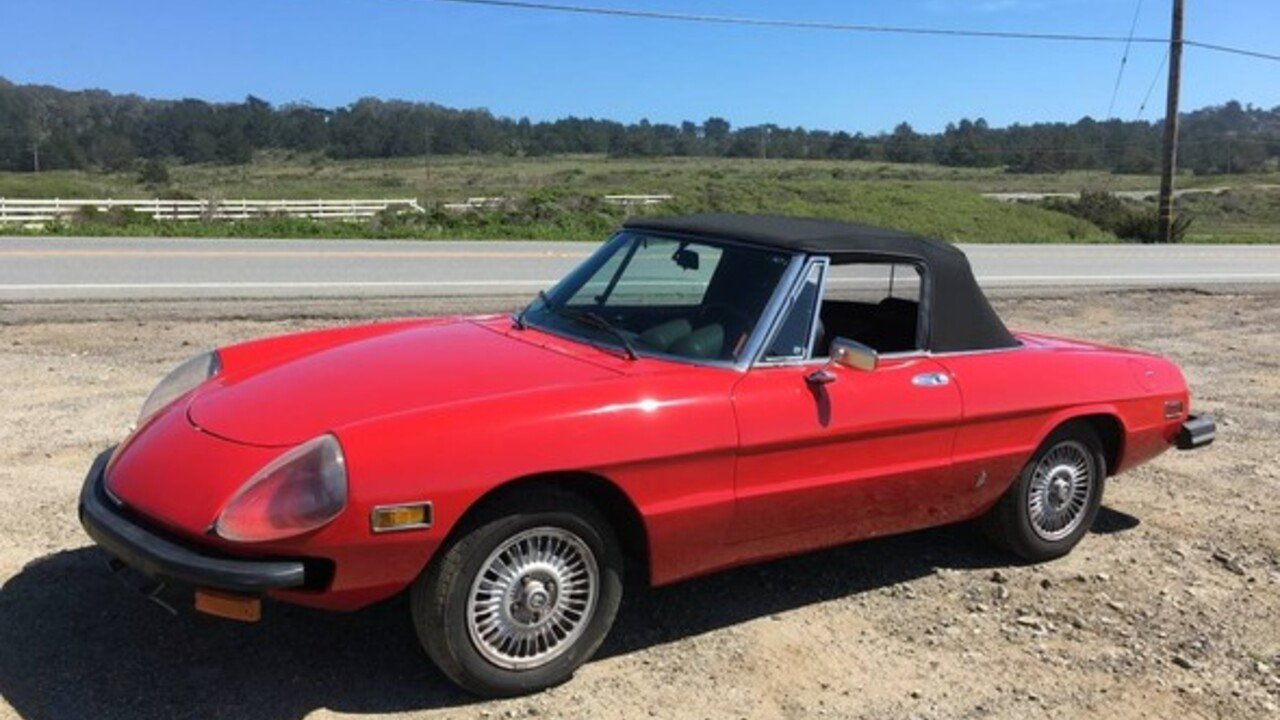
x,y
35,212
476,203
491,203
637,200
13,210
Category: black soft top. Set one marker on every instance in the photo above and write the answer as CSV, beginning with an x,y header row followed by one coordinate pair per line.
x,y
956,314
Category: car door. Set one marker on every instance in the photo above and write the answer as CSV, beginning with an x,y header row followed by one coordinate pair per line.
x,y
866,453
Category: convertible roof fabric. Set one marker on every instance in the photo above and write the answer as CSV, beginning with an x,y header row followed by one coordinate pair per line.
x,y
958,316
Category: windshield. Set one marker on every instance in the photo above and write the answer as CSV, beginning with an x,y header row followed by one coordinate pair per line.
x,y
648,294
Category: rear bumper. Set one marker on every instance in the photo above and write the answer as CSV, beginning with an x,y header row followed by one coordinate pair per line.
x,y
161,557
1196,432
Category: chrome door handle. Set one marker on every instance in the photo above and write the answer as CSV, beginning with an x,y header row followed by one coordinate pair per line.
x,y
931,379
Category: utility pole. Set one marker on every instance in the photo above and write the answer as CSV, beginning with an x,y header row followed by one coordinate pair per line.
x,y
1169,166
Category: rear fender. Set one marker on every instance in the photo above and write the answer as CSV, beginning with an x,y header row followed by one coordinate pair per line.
x,y
1066,415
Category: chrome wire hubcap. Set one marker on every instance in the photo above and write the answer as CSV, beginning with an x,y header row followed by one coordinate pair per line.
x,y
532,598
1061,486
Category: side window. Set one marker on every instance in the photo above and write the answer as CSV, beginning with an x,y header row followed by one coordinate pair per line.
x,y
874,303
795,335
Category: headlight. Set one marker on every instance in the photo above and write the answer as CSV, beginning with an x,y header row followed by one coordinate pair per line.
x,y
301,490
184,378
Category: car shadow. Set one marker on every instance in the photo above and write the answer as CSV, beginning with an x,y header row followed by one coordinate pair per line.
x,y
1110,520
76,643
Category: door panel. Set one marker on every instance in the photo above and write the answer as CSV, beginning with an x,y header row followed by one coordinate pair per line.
x,y
867,454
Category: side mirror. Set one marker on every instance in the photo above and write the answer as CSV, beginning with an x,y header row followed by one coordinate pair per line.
x,y
853,354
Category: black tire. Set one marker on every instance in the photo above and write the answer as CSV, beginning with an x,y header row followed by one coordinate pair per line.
x,y
1009,522
439,596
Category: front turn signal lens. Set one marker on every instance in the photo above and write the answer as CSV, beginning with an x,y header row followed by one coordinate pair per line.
x,y
302,490
387,518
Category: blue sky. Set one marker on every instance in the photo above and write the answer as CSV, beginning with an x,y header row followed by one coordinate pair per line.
x,y
545,65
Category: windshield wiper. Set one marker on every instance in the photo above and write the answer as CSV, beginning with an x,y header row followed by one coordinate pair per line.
x,y
588,318
591,318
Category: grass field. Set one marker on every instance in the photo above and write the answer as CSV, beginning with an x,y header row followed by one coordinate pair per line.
x,y
555,198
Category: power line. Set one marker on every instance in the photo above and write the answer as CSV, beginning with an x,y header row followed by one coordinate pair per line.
x,y
845,27
1151,88
1124,60
798,24
1232,50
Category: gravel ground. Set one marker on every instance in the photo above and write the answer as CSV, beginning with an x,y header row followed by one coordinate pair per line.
x,y
1169,608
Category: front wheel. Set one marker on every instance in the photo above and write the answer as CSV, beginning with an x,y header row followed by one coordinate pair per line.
x,y
523,598
1055,498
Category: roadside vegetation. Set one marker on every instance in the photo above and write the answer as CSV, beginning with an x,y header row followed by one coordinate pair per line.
x,y
545,215
1126,220
563,197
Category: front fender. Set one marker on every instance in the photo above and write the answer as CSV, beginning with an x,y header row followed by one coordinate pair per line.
x,y
667,442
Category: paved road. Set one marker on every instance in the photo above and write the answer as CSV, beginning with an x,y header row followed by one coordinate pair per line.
x,y
97,268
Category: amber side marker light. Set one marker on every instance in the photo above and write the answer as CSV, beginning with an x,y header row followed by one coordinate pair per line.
x,y
390,518
229,605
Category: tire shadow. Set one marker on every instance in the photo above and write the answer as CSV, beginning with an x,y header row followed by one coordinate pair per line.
x,y
1110,521
76,643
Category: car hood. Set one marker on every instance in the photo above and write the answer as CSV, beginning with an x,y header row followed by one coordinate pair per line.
x,y
373,374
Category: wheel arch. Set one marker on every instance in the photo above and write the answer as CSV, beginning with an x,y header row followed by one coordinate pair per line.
x,y
601,492
1104,422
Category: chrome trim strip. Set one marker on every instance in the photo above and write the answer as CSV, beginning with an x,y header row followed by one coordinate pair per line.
x,y
908,355
429,513
825,264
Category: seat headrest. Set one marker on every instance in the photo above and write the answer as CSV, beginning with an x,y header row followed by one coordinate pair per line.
x,y
660,337
705,342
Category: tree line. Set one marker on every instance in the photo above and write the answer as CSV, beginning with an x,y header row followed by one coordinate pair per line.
x,y
45,128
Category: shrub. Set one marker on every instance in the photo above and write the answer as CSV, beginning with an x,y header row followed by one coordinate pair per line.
x,y
153,172
113,217
1118,217
86,215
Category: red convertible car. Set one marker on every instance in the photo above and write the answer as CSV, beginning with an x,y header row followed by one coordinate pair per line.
x,y
702,392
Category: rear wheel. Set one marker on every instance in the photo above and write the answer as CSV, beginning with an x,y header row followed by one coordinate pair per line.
x,y
525,596
1055,499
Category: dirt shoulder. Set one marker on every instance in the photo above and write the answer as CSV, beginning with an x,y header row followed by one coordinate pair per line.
x,y
1171,607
